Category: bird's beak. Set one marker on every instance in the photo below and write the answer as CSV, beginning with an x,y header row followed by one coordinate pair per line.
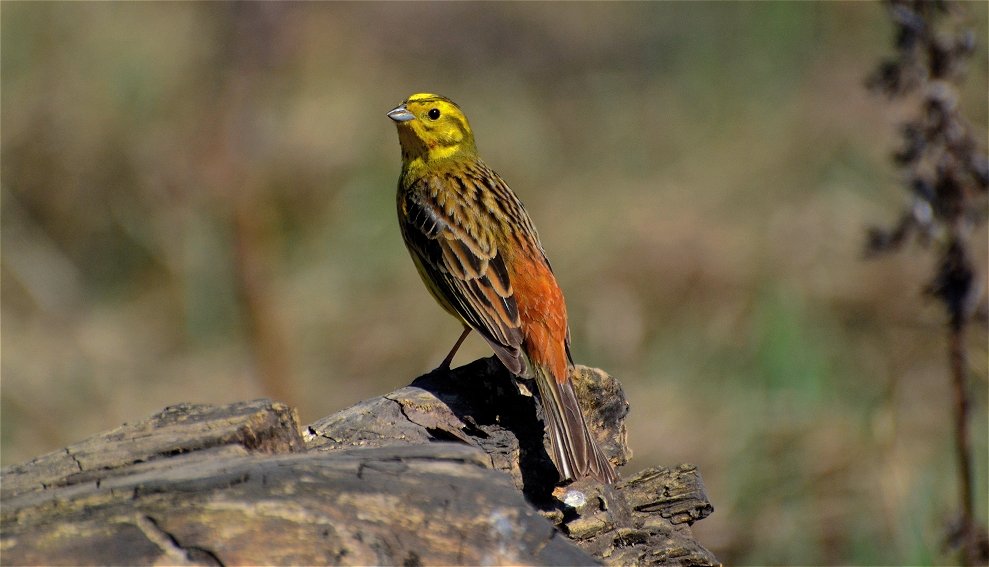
x,y
401,114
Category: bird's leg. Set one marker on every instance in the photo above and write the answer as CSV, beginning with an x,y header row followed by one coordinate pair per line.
x,y
445,365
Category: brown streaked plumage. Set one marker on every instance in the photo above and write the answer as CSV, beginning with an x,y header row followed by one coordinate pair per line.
x,y
480,257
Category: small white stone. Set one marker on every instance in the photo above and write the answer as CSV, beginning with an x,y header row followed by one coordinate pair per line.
x,y
574,498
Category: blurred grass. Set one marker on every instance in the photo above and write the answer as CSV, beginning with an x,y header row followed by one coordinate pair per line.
x,y
192,191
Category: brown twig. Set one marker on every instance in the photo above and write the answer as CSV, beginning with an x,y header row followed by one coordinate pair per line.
x,y
969,538
947,175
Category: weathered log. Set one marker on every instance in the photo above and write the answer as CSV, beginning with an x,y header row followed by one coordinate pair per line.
x,y
449,470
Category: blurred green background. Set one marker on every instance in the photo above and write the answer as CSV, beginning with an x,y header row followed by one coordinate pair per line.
x,y
198,205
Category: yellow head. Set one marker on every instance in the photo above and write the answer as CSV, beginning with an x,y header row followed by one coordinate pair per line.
x,y
432,127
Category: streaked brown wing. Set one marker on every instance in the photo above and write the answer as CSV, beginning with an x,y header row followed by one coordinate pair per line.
x,y
460,257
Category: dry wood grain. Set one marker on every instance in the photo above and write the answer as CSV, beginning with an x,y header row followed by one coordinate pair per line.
x,y
452,469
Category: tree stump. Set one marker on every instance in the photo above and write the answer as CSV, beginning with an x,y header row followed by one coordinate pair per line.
x,y
449,470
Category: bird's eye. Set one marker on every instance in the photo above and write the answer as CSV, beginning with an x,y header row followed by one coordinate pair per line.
x,y
434,113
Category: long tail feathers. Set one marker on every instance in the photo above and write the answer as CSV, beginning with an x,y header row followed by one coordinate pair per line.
x,y
572,448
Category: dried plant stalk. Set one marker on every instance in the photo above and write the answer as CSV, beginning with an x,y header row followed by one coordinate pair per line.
x,y
947,174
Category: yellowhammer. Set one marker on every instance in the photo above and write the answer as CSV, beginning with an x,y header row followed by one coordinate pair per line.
x,y
478,253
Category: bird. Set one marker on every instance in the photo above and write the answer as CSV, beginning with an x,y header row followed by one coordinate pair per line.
x,y
478,252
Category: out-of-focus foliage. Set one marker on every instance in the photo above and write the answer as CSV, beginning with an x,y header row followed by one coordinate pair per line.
x,y
198,205
945,170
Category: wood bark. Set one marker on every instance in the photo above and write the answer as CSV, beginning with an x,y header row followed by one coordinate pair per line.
x,y
449,470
